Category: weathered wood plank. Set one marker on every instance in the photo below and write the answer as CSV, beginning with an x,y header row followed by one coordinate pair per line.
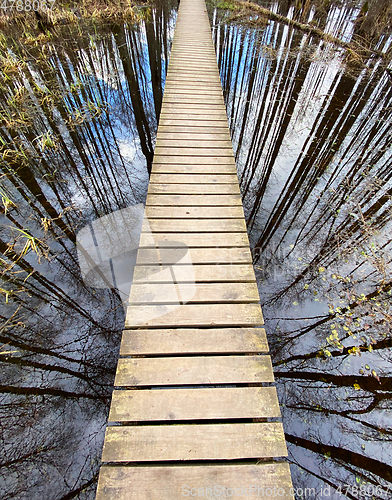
x,y
169,168
213,159
184,89
175,483
158,178
194,315
208,78
219,189
196,200
235,212
172,254
200,240
207,293
205,273
194,442
194,404
180,121
180,95
197,107
195,132
172,97
165,134
194,370
203,117
194,143
195,225
193,341
177,79
203,111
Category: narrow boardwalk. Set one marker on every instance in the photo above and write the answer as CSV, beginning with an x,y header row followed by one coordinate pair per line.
x,y
192,330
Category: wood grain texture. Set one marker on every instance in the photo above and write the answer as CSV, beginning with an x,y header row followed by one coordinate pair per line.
x,y
213,293
196,370
194,169
166,134
194,442
157,178
189,212
193,341
172,483
167,200
179,158
172,255
193,189
195,225
194,315
194,273
192,144
194,404
213,240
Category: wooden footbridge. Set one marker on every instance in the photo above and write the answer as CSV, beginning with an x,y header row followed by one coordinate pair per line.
x,y
193,411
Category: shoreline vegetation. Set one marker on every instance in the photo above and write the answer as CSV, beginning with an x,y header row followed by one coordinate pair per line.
x,y
59,13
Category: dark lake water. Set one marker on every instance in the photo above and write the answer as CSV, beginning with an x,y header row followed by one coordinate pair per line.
x,y
311,133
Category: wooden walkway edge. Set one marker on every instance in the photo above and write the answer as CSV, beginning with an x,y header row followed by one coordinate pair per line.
x,y
193,412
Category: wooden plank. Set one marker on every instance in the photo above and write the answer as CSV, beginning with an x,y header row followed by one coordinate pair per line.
x,y
194,315
194,212
194,442
182,63
169,168
194,370
193,341
174,107
172,254
205,273
189,87
194,80
179,158
194,404
174,483
186,91
201,116
192,240
183,93
163,142
158,178
165,134
197,109
194,76
219,189
179,121
196,127
220,200
212,293
195,225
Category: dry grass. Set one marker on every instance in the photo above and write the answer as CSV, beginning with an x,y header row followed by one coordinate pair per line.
x,y
66,13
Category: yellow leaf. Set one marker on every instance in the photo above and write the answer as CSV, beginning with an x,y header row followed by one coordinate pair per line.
x,y
357,387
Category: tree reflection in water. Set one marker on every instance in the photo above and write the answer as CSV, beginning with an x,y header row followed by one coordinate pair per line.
x,y
312,136
79,109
